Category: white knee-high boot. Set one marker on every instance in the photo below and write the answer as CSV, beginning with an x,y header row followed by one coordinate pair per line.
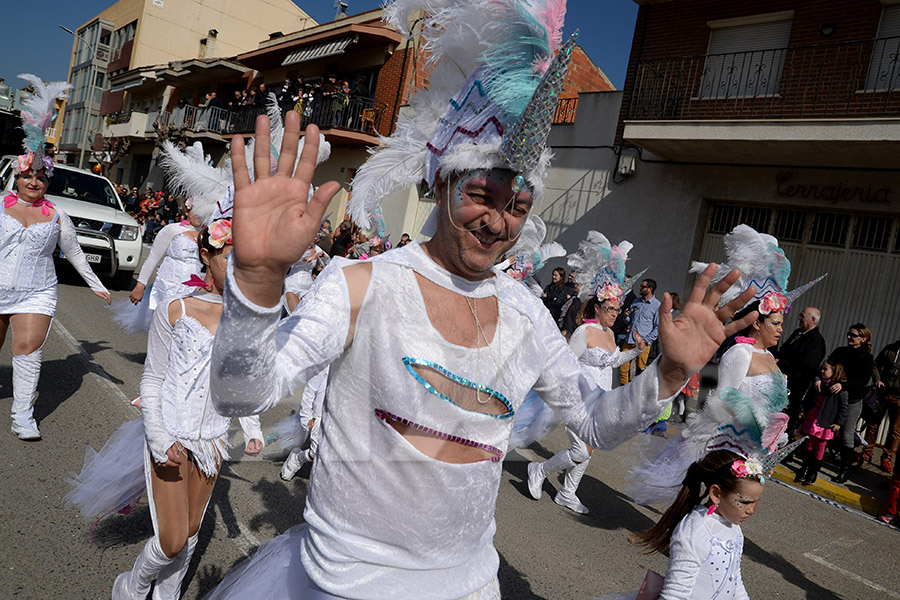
x,y
168,582
538,471
293,463
135,584
566,496
26,372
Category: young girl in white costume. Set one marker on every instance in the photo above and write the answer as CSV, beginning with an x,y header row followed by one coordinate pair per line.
x,y
600,274
30,229
702,530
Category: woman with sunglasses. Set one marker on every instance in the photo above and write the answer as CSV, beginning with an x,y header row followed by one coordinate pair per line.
x,y
594,343
858,362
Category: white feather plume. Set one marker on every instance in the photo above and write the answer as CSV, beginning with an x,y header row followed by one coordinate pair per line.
x,y
38,110
190,174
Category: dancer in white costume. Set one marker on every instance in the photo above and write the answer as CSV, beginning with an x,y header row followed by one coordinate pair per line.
x,y
186,439
431,350
749,379
600,273
30,229
175,245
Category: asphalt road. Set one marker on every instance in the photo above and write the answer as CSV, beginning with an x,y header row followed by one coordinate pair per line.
x,y
796,547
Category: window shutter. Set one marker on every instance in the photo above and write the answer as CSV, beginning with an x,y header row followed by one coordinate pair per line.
x,y
884,69
746,60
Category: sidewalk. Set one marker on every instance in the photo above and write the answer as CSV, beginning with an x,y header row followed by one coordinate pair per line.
x,y
863,491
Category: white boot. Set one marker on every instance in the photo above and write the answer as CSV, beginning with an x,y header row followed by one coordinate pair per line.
x,y
135,584
168,582
538,471
566,496
293,462
26,372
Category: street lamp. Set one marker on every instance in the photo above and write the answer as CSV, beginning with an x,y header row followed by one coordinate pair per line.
x,y
89,105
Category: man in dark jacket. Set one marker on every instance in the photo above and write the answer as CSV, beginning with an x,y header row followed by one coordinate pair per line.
x,y
799,359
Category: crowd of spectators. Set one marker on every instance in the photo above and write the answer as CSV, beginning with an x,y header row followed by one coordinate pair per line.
x,y
152,210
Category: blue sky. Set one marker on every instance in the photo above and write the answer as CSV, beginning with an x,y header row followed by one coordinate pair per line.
x,y
34,44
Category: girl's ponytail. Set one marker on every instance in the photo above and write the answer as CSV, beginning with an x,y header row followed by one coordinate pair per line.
x,y
711,469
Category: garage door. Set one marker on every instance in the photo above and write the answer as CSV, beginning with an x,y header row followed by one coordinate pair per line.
x,y
860,253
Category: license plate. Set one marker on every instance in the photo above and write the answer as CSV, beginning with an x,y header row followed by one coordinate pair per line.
x,y
92,258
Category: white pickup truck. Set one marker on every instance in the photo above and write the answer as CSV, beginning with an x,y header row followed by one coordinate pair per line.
x,y
110,237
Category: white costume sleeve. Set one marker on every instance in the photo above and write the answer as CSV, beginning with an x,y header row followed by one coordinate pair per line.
x,y
68,243
158,250
247,377
688,548
252,430
578,341
602,419
159,343
734,365
626,356
741,592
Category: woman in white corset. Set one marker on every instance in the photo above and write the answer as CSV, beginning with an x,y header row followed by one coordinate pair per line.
x,y
600,271
30,230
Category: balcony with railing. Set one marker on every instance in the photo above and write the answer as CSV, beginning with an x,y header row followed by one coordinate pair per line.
x,y
344,119
836,94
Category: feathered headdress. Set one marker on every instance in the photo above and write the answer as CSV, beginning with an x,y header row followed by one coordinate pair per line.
x,y
762,264
36,117
531,253
191,175
498,68
600,268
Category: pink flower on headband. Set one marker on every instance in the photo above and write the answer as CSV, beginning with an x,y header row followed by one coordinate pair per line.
x,y
610,291
24,162
747,468
772,302
220,233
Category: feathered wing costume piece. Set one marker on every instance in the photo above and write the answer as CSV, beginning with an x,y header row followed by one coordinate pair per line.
x,y
730,420
600,268
498,68
762,264
36,117
190,174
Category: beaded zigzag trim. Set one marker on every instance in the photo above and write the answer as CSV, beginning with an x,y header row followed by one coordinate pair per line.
x,y
409,362
385,416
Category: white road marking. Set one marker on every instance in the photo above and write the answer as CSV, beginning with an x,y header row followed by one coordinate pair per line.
x,y
246,541
816,558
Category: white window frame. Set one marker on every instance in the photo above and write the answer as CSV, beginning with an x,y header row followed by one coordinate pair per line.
x,y
884,63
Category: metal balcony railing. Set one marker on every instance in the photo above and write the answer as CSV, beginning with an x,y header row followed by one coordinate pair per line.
x,y
356,114
565,111
838,80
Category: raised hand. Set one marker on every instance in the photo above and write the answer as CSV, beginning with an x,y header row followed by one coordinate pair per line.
x,y
690,340
273,223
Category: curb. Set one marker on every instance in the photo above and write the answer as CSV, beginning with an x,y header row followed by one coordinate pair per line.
x,y
826,489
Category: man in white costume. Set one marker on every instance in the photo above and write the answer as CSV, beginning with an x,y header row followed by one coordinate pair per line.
x,y
431,351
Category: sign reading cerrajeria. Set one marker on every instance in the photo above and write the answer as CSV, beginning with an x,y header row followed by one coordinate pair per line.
x,y
833,192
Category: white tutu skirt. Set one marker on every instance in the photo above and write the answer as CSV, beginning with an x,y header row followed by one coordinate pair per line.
x,y
19,302
534,421
133,318
276,571
289,433
111,480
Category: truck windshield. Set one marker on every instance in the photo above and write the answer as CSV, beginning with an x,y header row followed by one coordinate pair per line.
x,y
72,184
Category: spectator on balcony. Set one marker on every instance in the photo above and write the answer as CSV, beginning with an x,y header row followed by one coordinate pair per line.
x,y
250,98
340,100
235,102
331,85
245,98
261,95
206,100
214,100
287,92
360,89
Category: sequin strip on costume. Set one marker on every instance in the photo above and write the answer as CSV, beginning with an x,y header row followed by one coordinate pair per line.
x,y
385,416
410,362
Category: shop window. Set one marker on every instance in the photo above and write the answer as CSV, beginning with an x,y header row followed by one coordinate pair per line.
x,y
884,64
829,229
789,225
745,60
871,233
